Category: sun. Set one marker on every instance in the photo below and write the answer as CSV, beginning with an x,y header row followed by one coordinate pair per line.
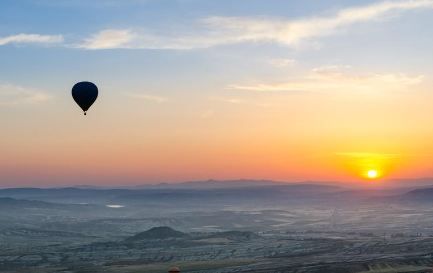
x,y
372,174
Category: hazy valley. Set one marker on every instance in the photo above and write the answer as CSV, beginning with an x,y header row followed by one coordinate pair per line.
x,y
244,226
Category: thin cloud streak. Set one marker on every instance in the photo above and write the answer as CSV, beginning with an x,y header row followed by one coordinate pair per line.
x,y
108,39
216,31
31,39
228,100
336,78
368,155
237,101
16,95
361,155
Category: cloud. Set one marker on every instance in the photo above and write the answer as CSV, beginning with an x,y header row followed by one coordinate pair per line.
x,y
336,78
215,31
363,155
147,97
15,95
31,38
237,101
368,155
112,38
129,39
228,100
293,32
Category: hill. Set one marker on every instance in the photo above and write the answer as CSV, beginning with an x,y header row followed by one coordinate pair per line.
x,y
418,195
157,233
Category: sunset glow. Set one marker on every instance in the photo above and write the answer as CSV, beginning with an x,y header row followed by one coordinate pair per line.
x,y
232,97
372,174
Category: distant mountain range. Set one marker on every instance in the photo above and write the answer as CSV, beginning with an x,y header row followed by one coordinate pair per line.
x,y
418,195
239,183
249,193
214,193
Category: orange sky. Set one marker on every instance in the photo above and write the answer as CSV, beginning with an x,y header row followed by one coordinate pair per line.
x,y
299,137
284,90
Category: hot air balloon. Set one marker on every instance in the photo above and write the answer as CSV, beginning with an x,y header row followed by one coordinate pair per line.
x,y
85,94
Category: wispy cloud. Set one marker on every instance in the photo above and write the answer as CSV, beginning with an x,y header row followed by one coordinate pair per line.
x,y
214,31
368,155
337,78
147,97
111,38
238,101
14,95
31,38
228,100
380,156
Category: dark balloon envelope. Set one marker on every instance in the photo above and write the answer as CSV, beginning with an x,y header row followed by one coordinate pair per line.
x,y
85,94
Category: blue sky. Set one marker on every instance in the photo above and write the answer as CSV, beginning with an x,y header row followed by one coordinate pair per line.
x,y
371,43
178,72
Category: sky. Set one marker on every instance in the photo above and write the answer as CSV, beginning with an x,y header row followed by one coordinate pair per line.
x,y
295,90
